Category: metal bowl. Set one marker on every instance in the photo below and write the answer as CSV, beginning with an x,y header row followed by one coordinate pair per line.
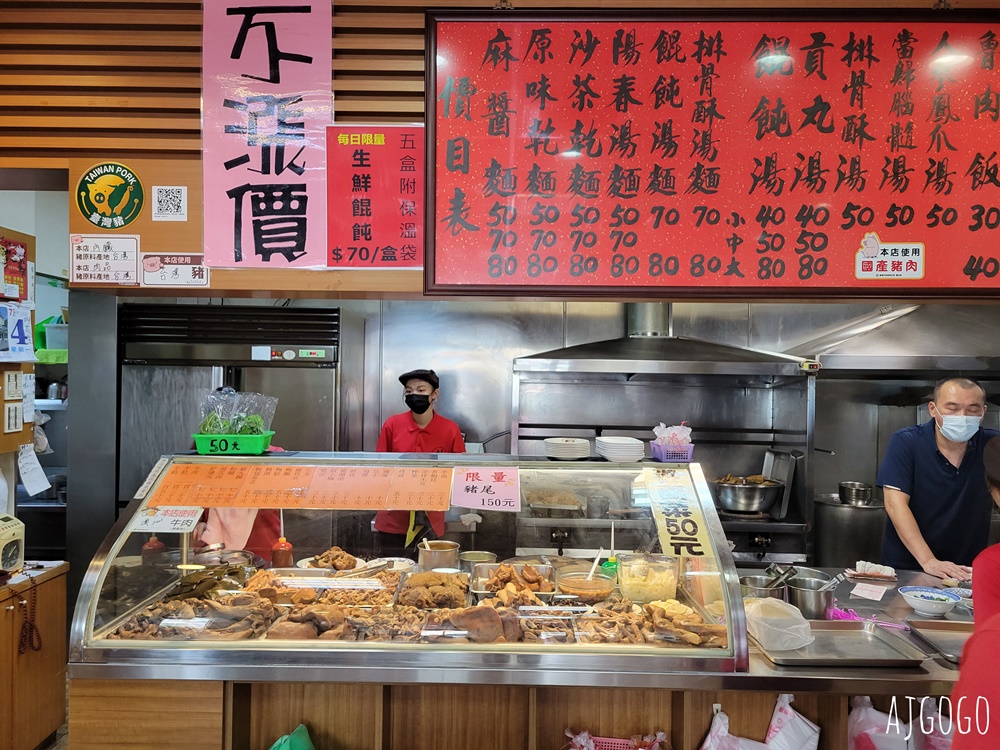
x,y
747,498
856,493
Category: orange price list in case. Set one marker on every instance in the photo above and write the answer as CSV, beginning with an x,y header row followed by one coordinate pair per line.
x,y
420,489
275,486
183,483
221,484
349,488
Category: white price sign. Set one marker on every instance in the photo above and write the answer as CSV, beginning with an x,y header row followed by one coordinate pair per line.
x,y
167,518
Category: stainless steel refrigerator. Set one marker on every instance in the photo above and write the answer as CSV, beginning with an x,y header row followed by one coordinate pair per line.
x,y
311,359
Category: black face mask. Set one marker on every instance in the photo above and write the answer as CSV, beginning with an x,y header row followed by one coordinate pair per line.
x,y
418,402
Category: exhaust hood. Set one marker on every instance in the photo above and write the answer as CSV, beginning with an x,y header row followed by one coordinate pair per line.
x,y
652,349
912,340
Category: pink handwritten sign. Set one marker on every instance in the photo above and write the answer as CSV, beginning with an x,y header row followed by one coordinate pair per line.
x,y
266,102
487,488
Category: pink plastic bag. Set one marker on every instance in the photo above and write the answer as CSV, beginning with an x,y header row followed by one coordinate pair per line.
x,y
928,731
719,737
870,729
789,729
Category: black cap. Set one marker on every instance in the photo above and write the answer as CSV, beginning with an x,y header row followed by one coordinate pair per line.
x,y
428,376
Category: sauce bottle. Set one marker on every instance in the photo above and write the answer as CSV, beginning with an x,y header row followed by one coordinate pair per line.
x,y
151,549
281,554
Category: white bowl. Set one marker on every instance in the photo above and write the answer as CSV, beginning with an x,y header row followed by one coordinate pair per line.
x,y
928,601
965,596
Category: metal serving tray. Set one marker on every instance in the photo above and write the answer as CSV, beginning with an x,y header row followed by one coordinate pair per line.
x,y
483,572
848,643
406,576
947,637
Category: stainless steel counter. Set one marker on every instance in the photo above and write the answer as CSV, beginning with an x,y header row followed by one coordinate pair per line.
x,y
934,676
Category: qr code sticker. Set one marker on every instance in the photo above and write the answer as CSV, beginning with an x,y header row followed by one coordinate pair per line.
x,y
169,203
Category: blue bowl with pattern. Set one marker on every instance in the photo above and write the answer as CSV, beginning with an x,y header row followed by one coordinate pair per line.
x,y
929,602
965,596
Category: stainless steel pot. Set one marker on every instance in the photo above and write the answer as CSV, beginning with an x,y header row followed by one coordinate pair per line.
x,y
812,603
757,586
747,498
856,493
847,533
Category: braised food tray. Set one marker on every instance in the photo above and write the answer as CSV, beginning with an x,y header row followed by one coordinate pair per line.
x,y
483,572
848,643
947,637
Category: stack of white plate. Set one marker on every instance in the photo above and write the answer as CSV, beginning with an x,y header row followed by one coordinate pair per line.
x,y
567,448
621,449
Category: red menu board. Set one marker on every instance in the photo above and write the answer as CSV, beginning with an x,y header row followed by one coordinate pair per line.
x,y
705,154
375,196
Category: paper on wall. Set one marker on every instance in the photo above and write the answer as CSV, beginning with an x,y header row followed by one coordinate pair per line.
x,y
28,399
32,474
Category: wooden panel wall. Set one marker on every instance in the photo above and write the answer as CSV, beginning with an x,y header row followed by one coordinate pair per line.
x,y
82,78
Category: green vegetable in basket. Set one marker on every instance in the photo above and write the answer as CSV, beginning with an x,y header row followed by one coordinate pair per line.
x,y
213,424
252,424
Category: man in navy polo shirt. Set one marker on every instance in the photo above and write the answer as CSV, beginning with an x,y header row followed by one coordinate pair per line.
x,y
934,485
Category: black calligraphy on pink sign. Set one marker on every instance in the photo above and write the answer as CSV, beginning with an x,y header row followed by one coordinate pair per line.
x,y
714,154
265,105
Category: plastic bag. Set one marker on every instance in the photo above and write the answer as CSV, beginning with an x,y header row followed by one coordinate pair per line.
x,y
676,435
297,740
777,625
41,440
789,729
870,729
226,412
927,731
719,737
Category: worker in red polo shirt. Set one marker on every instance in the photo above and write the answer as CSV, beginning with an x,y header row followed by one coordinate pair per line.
x,y
419,430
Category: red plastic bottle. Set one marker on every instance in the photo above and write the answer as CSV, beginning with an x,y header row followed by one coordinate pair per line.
x,y
151,549
281,554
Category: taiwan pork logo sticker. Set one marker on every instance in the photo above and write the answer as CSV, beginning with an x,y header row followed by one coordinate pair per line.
x,y
888,260
110,195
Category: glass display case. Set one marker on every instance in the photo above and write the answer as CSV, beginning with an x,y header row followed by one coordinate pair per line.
x,y
185,582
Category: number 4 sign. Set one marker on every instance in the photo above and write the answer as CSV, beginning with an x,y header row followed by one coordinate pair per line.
x,y
15,333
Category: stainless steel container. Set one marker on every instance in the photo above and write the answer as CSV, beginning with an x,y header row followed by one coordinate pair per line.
x,y
856,493
747,498
812,603
467,561
437,554
845,533
757,586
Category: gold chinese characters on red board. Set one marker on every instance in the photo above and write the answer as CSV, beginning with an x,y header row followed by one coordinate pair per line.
x,y
700,151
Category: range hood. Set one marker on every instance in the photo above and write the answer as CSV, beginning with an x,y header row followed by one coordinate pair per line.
x,y
912,341
651,349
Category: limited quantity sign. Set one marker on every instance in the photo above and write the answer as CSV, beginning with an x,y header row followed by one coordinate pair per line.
x,y
714,154
487,488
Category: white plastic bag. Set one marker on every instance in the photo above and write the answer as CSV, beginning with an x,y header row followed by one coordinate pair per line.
x,y
777,625
678,434
719,737
928,731
870,729
789,729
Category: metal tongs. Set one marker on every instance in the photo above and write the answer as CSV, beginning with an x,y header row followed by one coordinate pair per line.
x,y
781,577
366,572
832,583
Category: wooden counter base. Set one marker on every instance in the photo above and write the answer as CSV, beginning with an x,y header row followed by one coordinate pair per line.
x,y
120,714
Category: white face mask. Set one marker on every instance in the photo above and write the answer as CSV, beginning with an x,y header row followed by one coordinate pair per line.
x,y
959,429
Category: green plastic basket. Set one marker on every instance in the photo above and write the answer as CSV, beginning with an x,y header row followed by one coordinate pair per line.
x,y
231,445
